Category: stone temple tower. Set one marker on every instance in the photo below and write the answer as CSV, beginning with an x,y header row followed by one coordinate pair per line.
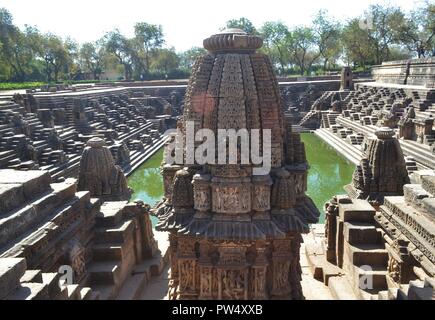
x,y
100,175
234,234
382,170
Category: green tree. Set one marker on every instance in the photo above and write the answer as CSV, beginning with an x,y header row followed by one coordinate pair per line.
x,y
301,43
357,45
275,36
188,57
164,60
16,50
381,33
327,37
416,31
92,58
123,49
149,37
241,23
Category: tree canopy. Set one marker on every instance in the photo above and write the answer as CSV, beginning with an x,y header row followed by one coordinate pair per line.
x,y
382,33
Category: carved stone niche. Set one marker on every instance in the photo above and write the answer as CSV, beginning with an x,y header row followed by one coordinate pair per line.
x,y
231,195
232,273
300,182
281,260
206,271
201,192
261,186
187,269
168,172
258,274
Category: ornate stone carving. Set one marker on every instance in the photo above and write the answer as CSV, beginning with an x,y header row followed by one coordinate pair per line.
x,y
233,87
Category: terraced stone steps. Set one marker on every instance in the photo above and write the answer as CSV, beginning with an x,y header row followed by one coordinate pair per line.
x,y
350,152
17,283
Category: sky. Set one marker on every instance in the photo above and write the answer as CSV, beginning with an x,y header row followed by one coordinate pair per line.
x,y
185,22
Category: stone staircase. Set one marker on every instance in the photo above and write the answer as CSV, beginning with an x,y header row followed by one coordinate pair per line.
x,y
19,283
367,257
311,120
351,152
113,271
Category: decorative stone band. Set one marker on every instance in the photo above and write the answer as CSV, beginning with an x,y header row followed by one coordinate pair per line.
x,y
96,142
232,40
415,227
384,133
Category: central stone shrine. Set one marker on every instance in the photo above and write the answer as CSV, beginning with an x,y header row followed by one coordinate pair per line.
x,y
233,234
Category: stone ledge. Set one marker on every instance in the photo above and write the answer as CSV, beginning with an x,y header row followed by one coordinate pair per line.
x,y
358,211
11,271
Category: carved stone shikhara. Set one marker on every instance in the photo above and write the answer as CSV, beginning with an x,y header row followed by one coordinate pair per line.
x,y
233,234
100,175
382,171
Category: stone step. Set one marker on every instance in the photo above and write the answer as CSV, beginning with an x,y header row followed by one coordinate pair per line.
x,y
85,293
133,286
29,184
107,252
73,292
341,289
118,234
30,291
321,269
366,254
18,223
106,272
11,271
110,213
32,276
374,280
350,152
360,233
51,279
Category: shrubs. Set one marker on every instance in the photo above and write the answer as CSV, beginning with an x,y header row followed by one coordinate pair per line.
x,y
19,85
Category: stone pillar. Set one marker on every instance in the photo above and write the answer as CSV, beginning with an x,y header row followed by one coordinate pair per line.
x,y
346,79
46,117
406,130
331,229
173,262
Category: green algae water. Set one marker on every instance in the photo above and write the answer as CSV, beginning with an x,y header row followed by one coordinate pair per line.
x,y
147,181
328,173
